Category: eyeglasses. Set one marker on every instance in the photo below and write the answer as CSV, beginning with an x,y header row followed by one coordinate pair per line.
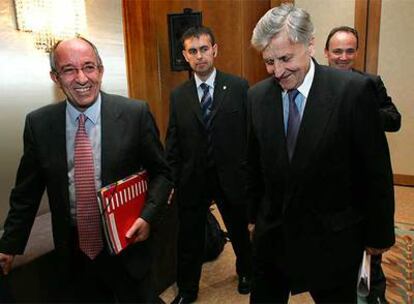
x,y
70,71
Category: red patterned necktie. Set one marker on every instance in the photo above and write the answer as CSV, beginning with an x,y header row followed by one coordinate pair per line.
x,y
88,217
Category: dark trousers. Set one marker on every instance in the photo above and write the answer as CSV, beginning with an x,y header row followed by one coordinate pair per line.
x,y
191,238
272,284
104,279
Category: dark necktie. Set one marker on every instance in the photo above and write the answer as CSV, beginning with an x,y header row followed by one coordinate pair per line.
x,y
206,104
87,210
293,123
206,107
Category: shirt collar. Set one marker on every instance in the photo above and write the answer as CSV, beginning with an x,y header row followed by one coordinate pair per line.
x,y
210,80
305,87
92,112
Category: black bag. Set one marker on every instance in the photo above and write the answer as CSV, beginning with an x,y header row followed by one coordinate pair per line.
x,y
215,240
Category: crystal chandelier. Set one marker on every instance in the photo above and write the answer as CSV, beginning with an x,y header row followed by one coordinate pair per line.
x,y
50,20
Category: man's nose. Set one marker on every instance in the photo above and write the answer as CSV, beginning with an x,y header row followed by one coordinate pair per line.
x,y
343,56
199,55
278,69
81,76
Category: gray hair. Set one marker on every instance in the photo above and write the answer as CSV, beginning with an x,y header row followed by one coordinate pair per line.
x,y
294,21
52,57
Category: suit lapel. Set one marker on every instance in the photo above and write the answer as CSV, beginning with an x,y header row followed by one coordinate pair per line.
x,y
58,153
112,127
220,89
315,118
270,125
193,100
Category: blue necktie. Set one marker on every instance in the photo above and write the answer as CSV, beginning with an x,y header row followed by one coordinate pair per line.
x,y
293,123
206,104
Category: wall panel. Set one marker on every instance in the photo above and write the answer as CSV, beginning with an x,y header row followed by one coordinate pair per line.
x,y
326,15
396,66
232,22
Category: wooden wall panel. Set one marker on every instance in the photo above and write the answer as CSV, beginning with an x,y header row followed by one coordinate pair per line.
x,y
147,46
361,13
141,53
367,23
253,68
373,33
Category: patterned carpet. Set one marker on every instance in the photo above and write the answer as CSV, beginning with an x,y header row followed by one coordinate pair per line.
x,y
219,281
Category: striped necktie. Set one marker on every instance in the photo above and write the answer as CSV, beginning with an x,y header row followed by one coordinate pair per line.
x,y
88,216
293,123
206,104
206,108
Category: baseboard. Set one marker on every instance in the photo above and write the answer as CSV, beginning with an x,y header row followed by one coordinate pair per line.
x,y
404,180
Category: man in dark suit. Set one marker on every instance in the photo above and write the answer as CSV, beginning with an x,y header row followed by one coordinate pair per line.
x,y
206,141
319,174
121,138
341,50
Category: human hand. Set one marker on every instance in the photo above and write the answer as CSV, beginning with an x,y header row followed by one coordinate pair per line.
x,y
139,230
376,251
251,227
6,261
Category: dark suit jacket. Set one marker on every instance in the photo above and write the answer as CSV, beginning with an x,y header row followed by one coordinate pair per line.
x,y
129,141
390,117
186,142
315,215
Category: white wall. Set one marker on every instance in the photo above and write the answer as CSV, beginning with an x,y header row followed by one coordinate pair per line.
x,y
25,84
396,67
325,15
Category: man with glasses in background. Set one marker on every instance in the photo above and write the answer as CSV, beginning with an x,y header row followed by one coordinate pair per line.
x,y
72,148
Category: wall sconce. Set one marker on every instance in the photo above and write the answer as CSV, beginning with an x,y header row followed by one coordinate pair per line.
x,y
50,20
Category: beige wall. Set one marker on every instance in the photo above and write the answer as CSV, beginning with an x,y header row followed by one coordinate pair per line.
x,y
325,15
25,83
396,67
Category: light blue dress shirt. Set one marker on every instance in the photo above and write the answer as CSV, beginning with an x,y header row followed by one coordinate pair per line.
x,y
93,129
302,97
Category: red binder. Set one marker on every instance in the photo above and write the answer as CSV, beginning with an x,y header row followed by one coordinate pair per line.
x,y
121,204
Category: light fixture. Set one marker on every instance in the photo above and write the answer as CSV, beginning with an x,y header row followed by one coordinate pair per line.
x,y
50,20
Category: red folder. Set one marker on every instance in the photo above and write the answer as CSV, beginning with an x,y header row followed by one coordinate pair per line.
x,y
121,204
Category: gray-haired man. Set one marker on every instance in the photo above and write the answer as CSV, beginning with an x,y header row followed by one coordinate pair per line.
x,y
317,161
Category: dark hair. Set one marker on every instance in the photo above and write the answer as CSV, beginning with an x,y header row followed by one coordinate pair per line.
x,y
341,29
197,31
52,53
